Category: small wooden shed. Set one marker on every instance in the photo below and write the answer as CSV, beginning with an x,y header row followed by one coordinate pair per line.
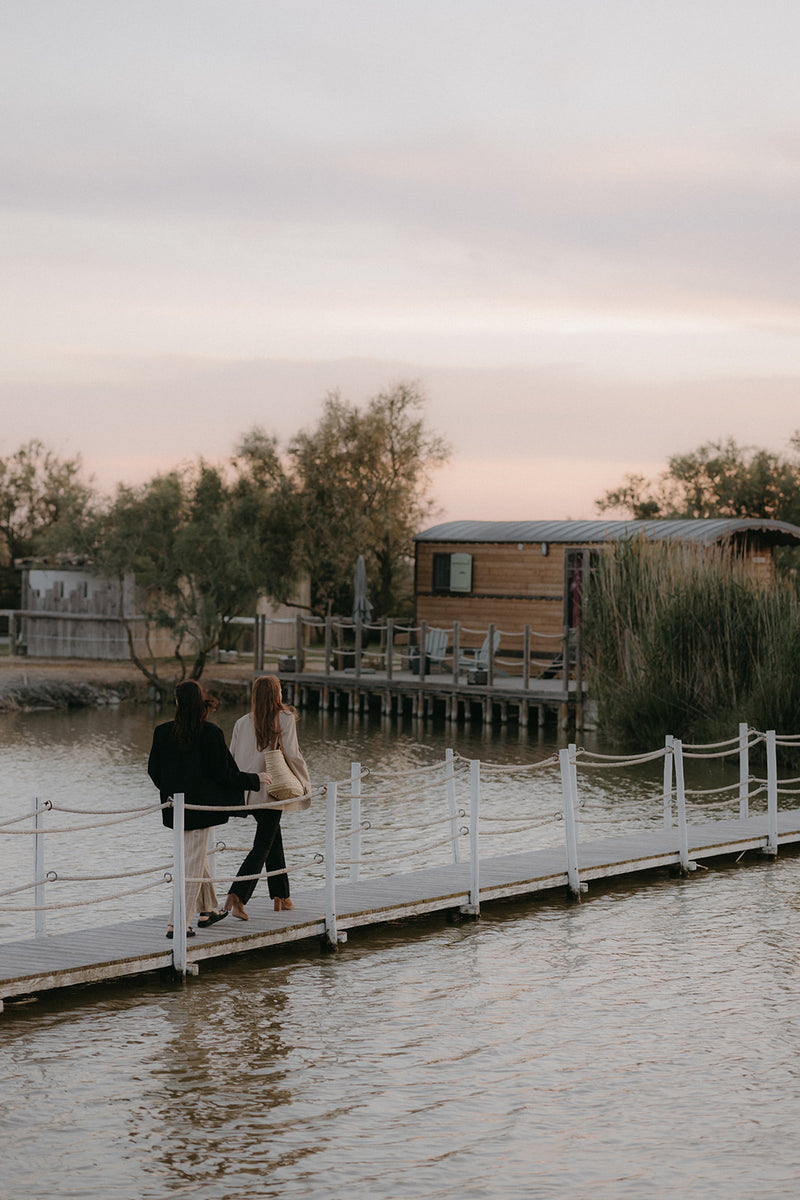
x,y
517,573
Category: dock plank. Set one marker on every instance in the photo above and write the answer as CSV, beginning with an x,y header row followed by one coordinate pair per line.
x,y
131,948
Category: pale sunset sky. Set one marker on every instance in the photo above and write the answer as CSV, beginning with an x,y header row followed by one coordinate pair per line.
x,y
574,222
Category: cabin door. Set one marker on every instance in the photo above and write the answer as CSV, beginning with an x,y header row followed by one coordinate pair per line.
x,y
576,574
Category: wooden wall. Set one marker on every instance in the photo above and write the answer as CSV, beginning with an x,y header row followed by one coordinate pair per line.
x,y
511,587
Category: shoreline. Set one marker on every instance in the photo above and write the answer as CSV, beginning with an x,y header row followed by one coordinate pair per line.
x,y
33,684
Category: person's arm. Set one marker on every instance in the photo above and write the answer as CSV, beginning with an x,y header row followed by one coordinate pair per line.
x,y
221,765
291,750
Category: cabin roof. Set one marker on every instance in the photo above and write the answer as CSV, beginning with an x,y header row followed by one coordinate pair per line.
x,y
705,531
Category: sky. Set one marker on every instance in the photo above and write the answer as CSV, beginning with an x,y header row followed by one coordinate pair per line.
x,y
574,223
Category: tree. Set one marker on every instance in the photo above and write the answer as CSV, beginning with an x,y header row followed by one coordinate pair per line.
x,y
719,479
362,481
201,545
42,498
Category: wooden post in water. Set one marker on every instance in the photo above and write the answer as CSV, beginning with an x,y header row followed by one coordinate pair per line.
x,y
328,643
744,770
355,820
423,636
526,659
456,651
771,847
359,635
668,773
389,647
490,675
331,937
179,914
39,916
298,638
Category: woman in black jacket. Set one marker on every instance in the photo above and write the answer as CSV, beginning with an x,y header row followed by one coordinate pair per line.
x,y
189,755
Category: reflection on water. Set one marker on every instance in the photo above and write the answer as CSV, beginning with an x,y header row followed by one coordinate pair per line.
x,y
641,1043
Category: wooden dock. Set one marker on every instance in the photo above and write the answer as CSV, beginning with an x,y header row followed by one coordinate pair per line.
x,y
506,698
130,948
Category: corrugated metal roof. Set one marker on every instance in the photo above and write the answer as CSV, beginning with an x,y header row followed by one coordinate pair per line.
x,y
705,532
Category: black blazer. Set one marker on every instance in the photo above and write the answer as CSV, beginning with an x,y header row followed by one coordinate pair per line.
x,y
206,774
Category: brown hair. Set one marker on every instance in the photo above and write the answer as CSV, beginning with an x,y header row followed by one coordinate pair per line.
x,y
192,706
266,706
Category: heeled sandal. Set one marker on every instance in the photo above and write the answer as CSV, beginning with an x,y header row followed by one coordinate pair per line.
x,y
171,932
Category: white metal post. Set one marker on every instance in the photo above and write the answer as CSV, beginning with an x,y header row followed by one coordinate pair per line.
x,y
744,770
39,916
772,795
668,773
450,788
680,795
474,906
330,866
355,820
179,915
570,833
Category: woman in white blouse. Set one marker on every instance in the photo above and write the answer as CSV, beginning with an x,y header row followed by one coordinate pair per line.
x,y
269,724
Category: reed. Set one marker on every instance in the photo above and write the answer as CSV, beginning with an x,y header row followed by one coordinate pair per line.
x,y
680,639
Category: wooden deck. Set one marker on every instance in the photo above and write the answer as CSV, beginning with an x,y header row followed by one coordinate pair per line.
x,y
132,948
437,693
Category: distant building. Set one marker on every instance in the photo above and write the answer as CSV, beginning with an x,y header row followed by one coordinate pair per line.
x,y
518,573
67,612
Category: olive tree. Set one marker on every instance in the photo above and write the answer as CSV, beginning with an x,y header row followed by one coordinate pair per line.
x,y
361,483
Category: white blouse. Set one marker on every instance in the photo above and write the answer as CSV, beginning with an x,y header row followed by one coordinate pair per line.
x,y
245,751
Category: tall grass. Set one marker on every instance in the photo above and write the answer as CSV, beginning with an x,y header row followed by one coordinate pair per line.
x,y
680,639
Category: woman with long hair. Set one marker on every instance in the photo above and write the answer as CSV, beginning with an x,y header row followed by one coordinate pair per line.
x,y
189,755
269,724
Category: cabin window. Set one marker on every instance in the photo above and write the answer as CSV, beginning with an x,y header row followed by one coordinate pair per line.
x,y
452,572
441,572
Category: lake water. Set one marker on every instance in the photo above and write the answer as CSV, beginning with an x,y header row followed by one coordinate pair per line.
x,y
642,1043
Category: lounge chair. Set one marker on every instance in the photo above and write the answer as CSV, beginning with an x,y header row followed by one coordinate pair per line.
x,y
478,660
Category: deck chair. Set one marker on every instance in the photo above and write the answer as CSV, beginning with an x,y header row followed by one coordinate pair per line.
x,y
479,659
435,647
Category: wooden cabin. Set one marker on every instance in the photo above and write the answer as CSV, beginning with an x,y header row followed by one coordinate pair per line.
x,y
514,574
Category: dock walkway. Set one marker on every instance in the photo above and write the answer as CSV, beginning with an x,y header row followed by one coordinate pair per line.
x,y
131,948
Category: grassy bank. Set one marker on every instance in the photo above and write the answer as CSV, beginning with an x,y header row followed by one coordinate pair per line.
x,y
30,684
681,640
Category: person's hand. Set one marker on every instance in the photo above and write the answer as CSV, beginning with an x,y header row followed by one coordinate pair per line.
x,y
265,777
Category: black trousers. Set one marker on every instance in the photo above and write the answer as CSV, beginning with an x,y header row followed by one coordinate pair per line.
x,y
267,851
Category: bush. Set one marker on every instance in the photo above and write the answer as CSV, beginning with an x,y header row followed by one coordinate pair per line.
x,y
680,639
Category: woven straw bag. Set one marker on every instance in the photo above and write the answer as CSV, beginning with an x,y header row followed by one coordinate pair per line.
x,y
285,784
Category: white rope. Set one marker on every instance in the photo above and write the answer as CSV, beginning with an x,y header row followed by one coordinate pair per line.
x,y
109,812
56,877
23,887
612,761
506,832
26,816
734,741
83,903
510,768
351,862
89,825
731,787
431,767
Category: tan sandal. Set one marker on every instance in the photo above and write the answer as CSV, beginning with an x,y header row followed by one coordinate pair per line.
x,y
235,906
282,904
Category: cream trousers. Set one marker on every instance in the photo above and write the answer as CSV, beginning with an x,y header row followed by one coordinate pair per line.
x,y
200,895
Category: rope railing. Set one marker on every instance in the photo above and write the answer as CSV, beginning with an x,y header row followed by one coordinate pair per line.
x,y
488,784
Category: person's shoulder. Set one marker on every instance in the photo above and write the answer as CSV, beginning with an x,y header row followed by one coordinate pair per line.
x,y
163,729
247,719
